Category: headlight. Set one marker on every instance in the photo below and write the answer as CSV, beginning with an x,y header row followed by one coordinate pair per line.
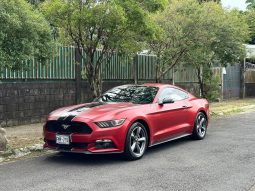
x,y
112,123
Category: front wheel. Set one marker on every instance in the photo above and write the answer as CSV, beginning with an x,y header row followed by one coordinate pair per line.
x,y
136,142
200,126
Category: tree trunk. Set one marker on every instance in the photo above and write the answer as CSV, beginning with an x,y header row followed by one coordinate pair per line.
x,y
93,74
158,77
200,81
157,71
95,84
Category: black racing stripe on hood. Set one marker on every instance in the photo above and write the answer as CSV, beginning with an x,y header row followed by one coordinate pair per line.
x,y
61,118
88,106
69,118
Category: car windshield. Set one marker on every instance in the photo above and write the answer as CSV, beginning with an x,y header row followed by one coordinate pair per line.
x,y
134,94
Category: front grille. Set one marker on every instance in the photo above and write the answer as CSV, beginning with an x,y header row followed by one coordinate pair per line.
x,y
68,127
67,147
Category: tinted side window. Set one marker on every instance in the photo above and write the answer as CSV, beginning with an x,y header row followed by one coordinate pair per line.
x,y
173,93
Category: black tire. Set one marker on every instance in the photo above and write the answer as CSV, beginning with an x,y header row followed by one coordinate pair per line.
x,y
137,135
200,126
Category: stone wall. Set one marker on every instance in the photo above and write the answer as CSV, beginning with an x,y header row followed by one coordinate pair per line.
x,y
31,101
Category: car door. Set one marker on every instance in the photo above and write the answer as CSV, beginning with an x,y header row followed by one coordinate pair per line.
x,y
170,120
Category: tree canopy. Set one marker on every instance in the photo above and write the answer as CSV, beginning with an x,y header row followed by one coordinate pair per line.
x,y
250,19
251,4
198,35
111,25
24,34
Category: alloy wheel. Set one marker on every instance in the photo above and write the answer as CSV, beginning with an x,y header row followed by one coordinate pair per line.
x,y
138,141
201,125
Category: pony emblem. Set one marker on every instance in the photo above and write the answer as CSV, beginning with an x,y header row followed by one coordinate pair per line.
x,y
65,126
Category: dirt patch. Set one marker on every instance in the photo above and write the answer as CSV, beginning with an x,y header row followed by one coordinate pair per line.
x,y
24,141
26,135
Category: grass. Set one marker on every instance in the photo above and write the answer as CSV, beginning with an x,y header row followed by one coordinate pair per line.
x,y
230,107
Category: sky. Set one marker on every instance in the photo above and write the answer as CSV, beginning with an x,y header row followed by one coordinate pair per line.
x,y
240,4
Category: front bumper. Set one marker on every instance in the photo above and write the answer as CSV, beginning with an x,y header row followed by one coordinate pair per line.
x,y
100,141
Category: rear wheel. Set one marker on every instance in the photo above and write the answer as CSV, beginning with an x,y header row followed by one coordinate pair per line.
x,y
136,142
200,126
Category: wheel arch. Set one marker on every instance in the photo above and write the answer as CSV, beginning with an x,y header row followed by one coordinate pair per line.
x,y
204,112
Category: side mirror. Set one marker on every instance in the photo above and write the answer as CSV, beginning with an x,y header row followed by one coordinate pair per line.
x,y
165,101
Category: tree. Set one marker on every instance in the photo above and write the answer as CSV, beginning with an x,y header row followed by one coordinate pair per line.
x,y
251,4
198,35
228,31
250,19
180,31
24,34
109,25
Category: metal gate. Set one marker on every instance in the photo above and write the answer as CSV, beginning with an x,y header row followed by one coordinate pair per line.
x,y
231,81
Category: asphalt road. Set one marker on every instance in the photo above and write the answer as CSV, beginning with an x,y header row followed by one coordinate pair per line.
x,y
225,160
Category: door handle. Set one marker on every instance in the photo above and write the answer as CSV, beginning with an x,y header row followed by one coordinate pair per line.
x,y
184,106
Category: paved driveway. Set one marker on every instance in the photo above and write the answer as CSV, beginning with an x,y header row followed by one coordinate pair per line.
x,y
225,160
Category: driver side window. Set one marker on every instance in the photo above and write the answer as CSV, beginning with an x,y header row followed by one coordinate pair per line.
x,y
173,94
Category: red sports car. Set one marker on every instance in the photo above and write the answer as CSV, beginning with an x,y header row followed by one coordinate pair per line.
x,y
127,119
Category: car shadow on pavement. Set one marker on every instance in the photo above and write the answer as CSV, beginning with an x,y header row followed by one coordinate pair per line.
x,y
84,159
101,159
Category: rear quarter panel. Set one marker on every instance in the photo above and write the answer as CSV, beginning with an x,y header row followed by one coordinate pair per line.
x,y
198,105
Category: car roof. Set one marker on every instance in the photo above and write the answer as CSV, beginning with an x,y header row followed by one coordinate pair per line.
x,y
159,85
149,85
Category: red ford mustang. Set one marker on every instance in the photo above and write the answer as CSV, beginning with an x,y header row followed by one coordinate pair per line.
x,y
127,119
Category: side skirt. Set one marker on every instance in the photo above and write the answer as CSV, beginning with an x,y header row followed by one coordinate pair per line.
x,y
171,139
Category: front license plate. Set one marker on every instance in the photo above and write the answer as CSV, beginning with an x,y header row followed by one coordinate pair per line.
x,y
63,139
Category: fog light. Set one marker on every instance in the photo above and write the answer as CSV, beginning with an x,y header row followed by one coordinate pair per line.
x,y
103,141
104,144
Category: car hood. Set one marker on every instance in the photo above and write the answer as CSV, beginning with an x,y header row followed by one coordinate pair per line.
x,y
91,111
